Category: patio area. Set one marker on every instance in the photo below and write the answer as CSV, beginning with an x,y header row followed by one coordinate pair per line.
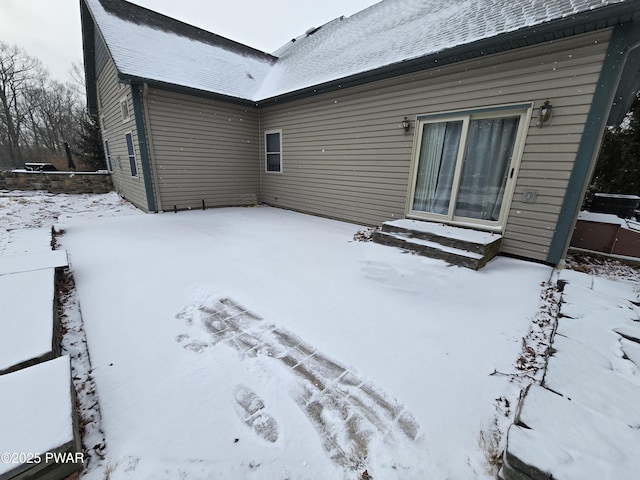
x,y
263,343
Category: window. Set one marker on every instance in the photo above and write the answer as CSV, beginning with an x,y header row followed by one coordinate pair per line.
x,y
107,155
273,151
124,109
464,162
132,155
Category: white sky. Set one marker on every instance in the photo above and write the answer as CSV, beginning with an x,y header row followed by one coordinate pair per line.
x,y
50,29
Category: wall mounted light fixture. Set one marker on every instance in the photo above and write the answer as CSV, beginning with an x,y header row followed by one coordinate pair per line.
x,y
545,113
405,124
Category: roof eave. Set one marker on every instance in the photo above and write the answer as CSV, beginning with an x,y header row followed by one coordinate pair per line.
x,y
172,87
88,52
584,22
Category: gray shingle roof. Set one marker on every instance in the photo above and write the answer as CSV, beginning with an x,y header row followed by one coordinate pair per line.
x,y
386,33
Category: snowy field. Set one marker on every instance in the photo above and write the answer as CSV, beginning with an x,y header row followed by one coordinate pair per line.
x,y
264,344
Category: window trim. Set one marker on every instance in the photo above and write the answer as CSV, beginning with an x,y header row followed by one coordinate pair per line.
x,y
132,164
524,110
107,154
266,152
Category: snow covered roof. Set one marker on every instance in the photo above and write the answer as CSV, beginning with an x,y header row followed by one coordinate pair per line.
x,y
147,45
394,31
388,33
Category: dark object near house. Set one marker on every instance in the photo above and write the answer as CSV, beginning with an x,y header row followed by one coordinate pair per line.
x,y
70,163
40,167
623,206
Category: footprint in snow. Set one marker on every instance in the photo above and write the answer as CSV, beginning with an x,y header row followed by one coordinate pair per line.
x,y
250,409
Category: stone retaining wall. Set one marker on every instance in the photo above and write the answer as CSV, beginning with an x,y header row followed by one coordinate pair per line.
x,y
57,182
583,421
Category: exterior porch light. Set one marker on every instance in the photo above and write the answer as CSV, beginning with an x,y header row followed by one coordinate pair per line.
x,y
545,113
405,124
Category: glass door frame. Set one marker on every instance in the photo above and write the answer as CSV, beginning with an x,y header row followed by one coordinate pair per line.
x,y
523,110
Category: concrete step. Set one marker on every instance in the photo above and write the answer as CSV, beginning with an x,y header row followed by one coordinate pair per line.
x,y
459,246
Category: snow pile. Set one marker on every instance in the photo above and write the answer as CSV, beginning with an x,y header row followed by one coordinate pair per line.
x,y
584,422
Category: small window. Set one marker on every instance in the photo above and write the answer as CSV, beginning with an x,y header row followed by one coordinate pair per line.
x,y
124,109
132,155
273,151
107,155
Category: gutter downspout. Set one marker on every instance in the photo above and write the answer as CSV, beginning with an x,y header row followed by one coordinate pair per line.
x,y
260,155
142,145
622,38
152,155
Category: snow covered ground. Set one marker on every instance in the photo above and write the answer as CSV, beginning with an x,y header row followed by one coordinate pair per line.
x,y
584,421
261,343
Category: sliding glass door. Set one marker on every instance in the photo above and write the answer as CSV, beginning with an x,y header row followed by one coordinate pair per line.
x,y
463,164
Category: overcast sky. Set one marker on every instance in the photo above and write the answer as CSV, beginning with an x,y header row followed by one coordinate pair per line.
x,y
50,29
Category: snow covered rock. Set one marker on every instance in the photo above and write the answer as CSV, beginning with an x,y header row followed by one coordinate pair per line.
x,y
584,421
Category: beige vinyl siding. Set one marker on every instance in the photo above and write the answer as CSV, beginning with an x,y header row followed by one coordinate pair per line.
x,y
110,94
203,150
345,155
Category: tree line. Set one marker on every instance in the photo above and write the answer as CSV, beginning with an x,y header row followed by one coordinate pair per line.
x,y
618,168
39,114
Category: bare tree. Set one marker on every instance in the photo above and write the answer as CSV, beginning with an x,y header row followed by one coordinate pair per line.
x,y
37,114
17,73
76,73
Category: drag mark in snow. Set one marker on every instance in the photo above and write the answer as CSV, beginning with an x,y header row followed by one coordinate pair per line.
x,y
348,413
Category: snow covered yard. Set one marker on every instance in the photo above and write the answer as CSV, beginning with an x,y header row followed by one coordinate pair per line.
x,y
583,421
261,343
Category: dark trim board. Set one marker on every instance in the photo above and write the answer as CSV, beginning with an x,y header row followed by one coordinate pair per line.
x,y
142,145
89,54
622,39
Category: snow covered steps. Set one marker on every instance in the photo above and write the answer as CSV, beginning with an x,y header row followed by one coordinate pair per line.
x,y
30,329
459,246
39,435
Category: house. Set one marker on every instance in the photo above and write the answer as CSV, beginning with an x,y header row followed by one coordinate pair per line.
x,y
481,114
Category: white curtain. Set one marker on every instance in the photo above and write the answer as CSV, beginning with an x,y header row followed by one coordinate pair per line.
x,y
436,165
490,144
